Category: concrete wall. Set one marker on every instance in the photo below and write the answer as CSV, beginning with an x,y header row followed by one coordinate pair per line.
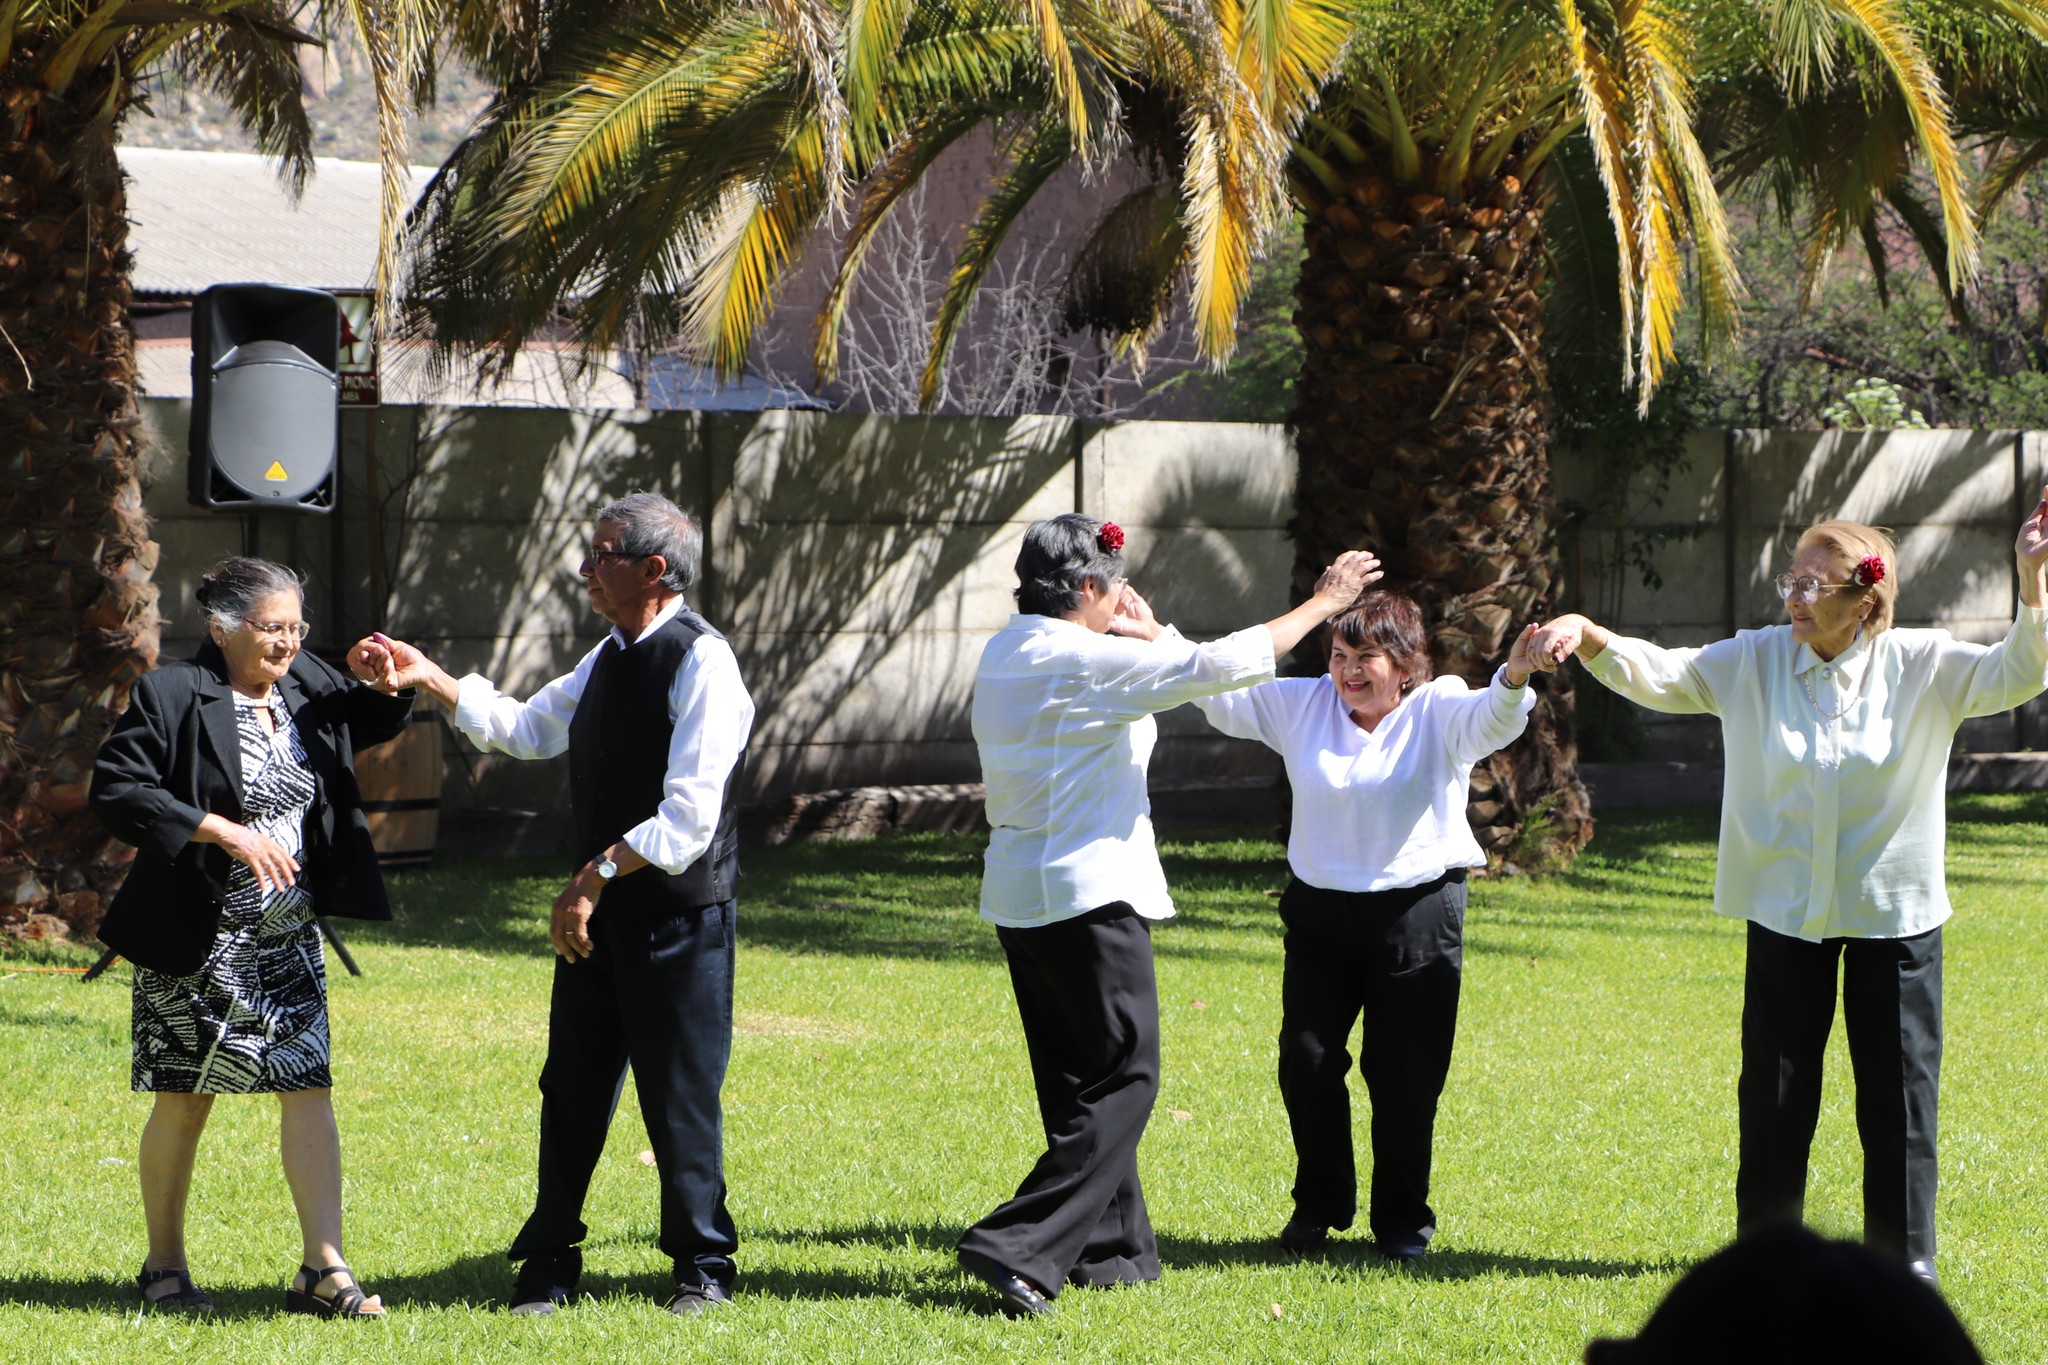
x,y
858,563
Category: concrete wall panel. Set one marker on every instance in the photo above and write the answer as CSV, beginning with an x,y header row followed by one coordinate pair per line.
x,y
859,563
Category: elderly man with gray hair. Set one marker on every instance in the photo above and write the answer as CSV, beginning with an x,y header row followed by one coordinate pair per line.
x,y
655,720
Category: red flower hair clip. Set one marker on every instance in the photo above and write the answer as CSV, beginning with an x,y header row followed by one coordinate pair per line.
x,y
1869,572
1110,538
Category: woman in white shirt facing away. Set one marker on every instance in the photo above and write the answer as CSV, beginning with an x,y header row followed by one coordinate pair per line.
x,y
1063,707
1836,729
1379,756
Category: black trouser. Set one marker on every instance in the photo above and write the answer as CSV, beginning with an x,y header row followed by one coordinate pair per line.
x,y
1090,1009
1396,957
656,995
1891,1007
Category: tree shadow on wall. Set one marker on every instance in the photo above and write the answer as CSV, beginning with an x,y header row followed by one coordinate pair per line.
x,y
1921,485
869,562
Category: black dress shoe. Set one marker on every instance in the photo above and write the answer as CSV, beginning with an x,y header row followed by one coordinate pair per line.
x,y
1301,1236
1924,1270
1020,1298
545,1282
1401,1249
692,1299
538,1300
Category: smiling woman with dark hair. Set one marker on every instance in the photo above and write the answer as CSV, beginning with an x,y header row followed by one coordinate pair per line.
x,y
1837,728
1379,758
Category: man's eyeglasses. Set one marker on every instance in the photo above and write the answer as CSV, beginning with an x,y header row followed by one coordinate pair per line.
x,y
1805,588
278,630
597,556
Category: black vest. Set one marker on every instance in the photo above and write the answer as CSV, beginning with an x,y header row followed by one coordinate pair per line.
x,y
618,761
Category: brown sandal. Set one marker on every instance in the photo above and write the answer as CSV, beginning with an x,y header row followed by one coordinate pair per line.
x,y
345,1302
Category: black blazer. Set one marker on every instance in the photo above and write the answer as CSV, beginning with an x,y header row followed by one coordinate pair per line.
x,y
174,756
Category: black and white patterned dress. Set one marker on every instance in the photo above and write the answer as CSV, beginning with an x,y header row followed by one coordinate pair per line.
x,y
253,1020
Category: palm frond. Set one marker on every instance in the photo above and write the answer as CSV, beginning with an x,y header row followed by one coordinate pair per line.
x,y
1885,25
1036,158
898,175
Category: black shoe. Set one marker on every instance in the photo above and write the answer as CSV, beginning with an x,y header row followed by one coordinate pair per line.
x,y
1924,1271
186,1298
1020,1298
1401,1250
692,1299
546,1281
1301,1236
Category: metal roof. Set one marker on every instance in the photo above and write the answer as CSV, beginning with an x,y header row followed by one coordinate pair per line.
x,y
203,218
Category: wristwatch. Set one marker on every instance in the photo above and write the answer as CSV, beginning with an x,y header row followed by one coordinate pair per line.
x,y
606,868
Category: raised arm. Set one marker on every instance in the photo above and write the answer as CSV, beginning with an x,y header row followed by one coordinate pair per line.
x,y
2031,550
1351,574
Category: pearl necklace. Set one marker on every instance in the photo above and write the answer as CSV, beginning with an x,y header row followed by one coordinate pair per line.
x,y
1848,705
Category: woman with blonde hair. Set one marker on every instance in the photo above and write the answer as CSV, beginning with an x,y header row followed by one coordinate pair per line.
x,y
1836,728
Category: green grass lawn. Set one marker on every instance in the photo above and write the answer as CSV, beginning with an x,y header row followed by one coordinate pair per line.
x,y
879,1102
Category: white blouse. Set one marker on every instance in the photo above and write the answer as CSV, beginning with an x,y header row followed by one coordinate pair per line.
x,y
707,704
1385,809
1063,720
1833,807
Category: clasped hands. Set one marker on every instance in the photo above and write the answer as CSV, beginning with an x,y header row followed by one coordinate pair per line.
x,y
388,665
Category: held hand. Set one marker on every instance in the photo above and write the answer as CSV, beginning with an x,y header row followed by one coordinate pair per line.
x,y
569,920
274,868
369,661
1351,574
1521,663
1134,617
1555,641
388,665
2032,545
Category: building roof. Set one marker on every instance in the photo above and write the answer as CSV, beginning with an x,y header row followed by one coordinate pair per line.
x,y
204,218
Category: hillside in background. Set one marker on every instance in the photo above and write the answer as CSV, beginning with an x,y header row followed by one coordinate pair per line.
x,y
339,98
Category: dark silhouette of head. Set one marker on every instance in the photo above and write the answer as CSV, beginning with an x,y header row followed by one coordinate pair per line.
x,y
1785,1295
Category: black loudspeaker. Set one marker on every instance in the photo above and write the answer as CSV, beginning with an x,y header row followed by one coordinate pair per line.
x,y
266,398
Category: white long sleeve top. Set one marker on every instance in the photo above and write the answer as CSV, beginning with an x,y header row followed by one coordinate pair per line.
x,y
1381,809
1834,828
707,704
1063,720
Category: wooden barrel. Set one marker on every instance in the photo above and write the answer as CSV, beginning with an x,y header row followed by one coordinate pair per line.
x,y
401,785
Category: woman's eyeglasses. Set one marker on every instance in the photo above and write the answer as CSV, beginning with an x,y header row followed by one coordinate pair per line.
x,y
1805,588
278,630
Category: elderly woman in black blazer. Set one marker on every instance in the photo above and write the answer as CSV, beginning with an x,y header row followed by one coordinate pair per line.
x,y
233,775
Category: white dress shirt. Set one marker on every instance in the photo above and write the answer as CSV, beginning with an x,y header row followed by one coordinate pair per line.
x,y
1385,809
707,703
1063,720
1835,828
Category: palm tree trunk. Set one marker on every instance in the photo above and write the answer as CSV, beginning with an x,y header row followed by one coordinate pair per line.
x,y
77,608
1423,434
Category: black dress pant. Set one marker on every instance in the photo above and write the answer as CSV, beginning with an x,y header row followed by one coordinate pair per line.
x,y
656,995
1891,1007
1395,957
1090,1008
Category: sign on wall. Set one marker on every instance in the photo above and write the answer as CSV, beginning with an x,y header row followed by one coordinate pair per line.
x,y
358,367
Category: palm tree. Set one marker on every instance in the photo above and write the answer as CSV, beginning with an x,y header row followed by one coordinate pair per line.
x,y
1455,165
76,599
